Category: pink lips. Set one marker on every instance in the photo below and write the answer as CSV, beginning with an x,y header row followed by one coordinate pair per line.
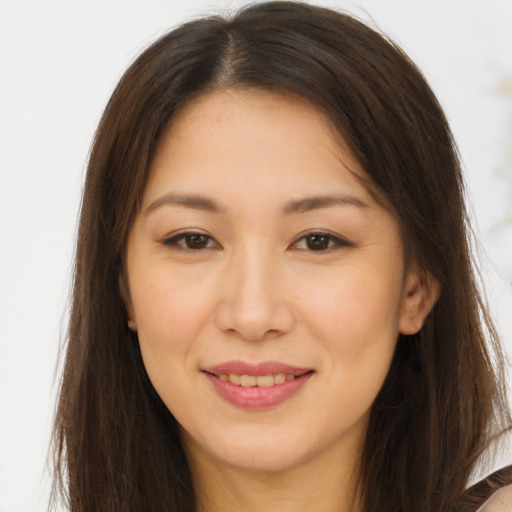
x,y
257,397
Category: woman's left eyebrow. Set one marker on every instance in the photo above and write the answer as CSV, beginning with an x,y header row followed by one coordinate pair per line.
x,y
194,202
317,202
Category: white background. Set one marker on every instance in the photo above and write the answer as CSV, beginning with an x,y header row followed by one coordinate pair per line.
x,y
59,61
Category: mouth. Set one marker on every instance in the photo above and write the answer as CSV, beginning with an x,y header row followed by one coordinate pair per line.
x,y
259,386
260,381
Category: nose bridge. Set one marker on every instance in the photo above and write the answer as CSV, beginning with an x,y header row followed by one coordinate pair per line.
x,y
252,301
258,280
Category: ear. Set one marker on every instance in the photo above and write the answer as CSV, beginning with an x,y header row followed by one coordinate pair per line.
x,y
125,296
421,292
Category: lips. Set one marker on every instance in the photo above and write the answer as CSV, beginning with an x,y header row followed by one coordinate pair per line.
x,y
257,386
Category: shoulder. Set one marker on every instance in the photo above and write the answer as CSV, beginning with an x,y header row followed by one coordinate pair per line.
x,y
500,501
492,494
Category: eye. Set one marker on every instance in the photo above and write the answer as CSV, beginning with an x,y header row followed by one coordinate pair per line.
x,y
191,240
319,241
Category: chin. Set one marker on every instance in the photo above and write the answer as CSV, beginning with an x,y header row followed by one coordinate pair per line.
x,y
257,452
267,460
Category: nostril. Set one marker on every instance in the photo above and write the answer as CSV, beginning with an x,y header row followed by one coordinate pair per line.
x,y
252,319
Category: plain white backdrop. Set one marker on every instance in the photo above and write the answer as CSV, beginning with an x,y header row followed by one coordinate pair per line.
x,y
59,62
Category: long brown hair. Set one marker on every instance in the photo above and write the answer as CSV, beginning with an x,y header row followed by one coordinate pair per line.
x,y
116,445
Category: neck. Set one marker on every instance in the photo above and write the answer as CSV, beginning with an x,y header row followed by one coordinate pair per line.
x,y
328,484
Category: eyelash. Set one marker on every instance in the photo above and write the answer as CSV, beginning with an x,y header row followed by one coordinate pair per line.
x,y
184,237
334,242
181,241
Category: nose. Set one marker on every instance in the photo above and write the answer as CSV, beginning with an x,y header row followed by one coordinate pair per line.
x,y
254,301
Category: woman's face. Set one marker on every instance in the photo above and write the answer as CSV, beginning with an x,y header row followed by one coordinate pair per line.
x,y
266,285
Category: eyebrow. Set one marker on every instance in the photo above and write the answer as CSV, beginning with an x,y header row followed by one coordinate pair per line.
x,y
317,202
202,203
193,202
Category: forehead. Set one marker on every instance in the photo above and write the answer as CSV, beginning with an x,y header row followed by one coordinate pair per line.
x,y
243,139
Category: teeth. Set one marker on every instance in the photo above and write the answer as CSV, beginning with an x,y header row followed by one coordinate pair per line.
x,y
249,381
280,378
264,381
234,379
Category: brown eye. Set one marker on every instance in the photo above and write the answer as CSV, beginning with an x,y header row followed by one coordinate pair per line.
x,y
318,242
321,242
191,241
196,241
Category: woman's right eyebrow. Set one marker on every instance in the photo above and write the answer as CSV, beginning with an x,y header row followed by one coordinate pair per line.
x,y
195,202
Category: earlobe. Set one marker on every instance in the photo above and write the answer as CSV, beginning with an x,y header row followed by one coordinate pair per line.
x,y
421,292
125,296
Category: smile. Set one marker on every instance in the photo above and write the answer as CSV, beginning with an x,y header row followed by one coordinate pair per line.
x,y
257,387
261,381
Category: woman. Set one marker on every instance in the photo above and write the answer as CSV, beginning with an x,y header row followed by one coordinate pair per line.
x,y
274,306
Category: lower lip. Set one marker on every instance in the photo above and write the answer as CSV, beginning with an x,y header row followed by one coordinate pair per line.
x,y
256,397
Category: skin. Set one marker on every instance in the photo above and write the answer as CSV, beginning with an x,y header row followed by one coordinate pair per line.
x,y
259,287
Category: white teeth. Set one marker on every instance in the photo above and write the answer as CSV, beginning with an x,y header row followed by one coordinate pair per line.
x,y
249,381
264,381
234,379
279,378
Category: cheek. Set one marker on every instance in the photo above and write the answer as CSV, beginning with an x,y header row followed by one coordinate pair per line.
x,y
170,312
356,319
357,306
357,326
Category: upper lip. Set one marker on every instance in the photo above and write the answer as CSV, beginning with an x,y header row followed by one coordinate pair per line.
x,y
263,368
